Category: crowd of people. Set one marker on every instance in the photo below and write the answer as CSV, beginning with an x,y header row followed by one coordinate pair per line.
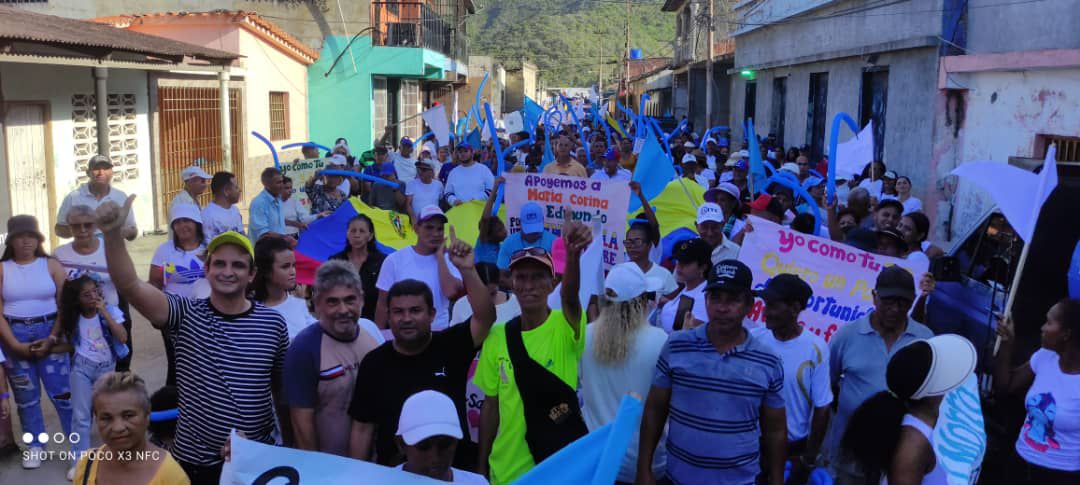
x,y
372,359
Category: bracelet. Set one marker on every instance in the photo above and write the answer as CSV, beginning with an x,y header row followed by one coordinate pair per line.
x,y
4,395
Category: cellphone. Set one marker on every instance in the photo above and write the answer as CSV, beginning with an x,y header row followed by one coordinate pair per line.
x,y
686,304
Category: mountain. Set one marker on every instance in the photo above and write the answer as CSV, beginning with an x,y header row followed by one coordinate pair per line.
x,y
564,37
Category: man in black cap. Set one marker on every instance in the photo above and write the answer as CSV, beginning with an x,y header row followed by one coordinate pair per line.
x,y
891,243
858,355
98,189
807,390
713,385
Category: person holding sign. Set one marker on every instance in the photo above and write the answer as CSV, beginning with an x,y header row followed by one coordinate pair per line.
x,y
807,390
891,435
418,359
1049,441
528,368
691,264
858,355
427,434
718,387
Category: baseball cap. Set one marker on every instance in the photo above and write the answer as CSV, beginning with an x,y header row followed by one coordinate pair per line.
x,y
426,164
406,141
539,255
464,145
790,168
611,154
689,158
692,250
895,282
98,160
689,144
744,154
192,172
895,236
725,187
786,287
339,159
889,175
953,359
426,414
732,160
626,281
430,211
230,237
812,182
730,275
741,165
761,203
184,211
532,218
710,211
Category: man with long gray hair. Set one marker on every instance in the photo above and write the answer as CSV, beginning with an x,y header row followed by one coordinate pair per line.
x,y
322,362
621,349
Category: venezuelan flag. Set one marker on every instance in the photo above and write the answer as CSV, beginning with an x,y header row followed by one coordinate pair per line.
x,y
614,125
326,237
465,220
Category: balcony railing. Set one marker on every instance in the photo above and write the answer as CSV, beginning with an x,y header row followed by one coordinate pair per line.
x,y
417,24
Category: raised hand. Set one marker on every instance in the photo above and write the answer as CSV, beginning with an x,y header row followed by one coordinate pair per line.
x,y
1005,330
461,253
635,187
927,283
111,217
577,236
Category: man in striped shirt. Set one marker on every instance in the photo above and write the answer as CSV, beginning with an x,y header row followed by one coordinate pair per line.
x,y
230,351
713,385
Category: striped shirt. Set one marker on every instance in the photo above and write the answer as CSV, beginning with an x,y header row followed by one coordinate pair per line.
x,y
224,368
716,399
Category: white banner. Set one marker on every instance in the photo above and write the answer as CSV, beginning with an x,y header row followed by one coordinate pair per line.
x,y
436,121
854,155
301,171
253,462
590,200
842,276
960,434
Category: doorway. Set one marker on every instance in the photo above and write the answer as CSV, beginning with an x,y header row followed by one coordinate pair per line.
x,y
817,104
29,164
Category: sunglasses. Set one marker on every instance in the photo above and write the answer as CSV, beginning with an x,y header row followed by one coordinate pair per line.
x,y
83,225
521,253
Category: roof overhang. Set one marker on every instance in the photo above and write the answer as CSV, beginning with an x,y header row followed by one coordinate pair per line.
x,y
672,5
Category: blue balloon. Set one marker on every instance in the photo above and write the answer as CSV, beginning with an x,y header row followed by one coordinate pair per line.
x,y
830,187
273,151
361,176
306,144
787,180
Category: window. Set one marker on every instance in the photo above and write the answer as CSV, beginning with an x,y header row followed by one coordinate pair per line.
x,y
279,116
378,125
750,101
816,107
779,108
875,93
410,108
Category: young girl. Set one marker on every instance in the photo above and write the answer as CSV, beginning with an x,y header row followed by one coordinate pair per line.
x,y
94,329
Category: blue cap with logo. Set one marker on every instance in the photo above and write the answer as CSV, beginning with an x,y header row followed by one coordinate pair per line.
x,y
532,218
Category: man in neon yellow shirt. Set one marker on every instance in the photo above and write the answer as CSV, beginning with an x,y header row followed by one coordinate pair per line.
x,y
550,344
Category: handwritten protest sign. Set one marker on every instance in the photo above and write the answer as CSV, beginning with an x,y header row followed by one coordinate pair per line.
x,y
254,462
960,434
300,171
589,200
841,276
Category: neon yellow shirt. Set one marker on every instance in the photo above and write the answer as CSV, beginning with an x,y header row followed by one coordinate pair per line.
x,y
554,346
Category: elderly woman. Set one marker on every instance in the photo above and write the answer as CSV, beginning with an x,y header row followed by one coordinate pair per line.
x,y
29,284
122,412
86,254
326,197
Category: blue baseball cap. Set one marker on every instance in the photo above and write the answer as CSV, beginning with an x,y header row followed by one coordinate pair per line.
x,y
406,141
464,144
611,154
532,218
742,165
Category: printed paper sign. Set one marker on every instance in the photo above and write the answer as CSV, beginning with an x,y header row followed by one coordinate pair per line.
x,y
301,171
842,276
605,201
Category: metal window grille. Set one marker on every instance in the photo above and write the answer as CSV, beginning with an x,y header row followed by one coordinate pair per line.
x,y
191,135
279,116
410,106
1068,147
379,88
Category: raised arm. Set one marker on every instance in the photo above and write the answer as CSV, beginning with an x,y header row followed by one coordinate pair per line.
x,y
483,310
149,301
451,285
650,215
578,237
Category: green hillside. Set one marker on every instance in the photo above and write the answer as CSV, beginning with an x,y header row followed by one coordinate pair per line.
x,y
561,36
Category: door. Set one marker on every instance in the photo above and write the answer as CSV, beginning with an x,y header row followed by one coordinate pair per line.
x,y
817,104
875,93
29,184
779,108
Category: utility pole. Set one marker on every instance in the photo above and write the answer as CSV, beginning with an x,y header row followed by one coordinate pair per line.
x,y
600,63
709,70
626,57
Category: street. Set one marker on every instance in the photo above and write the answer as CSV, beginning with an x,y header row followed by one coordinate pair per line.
x,y
149,363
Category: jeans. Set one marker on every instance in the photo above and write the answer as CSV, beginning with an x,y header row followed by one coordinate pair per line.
x,y
52,372
84,373
202,474
125,363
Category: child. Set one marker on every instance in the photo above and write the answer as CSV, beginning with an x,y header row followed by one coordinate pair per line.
x,y
492,229
96,334
163,405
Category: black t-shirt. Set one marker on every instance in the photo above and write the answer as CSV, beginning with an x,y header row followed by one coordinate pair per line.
x,y
387,378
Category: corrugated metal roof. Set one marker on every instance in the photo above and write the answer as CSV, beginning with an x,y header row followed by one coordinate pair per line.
x,y
22,25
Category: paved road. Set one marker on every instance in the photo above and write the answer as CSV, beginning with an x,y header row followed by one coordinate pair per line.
x,y
149,362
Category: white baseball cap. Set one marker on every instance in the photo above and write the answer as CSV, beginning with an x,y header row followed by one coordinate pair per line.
x,y
184,211
953,360
710,211
689,158
426,414
339,159
790,168
430,211
192,172
726,187
626,281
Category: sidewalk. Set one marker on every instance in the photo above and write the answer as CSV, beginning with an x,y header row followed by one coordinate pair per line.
x,y
149,363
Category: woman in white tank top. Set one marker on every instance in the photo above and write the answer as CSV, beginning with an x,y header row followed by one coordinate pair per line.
x,y
29,283
891,435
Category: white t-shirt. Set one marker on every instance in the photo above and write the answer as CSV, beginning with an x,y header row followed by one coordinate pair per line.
x,y
469,183
603,386
294,211
504,312
407,264
661,273
620,174
806,378
423,194
913,204
874,187
217,219
460,476
181,270
667,313
93,263
1050,437
405,167
92,344
296,314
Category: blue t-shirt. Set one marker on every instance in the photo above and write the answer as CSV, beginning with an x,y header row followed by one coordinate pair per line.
x,y
515,243
487,252
716,400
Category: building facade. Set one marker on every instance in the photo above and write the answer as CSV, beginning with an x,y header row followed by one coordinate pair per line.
x,y
690,80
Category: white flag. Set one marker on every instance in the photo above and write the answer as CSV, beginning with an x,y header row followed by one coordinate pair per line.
x,y
514,122
436,120
1020,194
854,155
